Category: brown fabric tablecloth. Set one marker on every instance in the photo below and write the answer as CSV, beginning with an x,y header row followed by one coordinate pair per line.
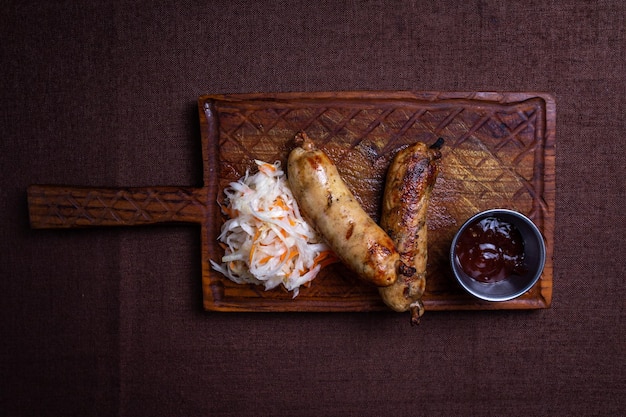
x,y
110,321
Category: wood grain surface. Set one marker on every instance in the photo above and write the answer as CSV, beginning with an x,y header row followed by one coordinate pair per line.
x,y
53,206
499,152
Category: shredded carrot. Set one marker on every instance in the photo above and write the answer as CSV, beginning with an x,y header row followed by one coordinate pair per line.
x,y
267,169
326,258
265,260
265,239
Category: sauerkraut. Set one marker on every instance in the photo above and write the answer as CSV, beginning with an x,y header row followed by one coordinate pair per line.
x,y
265,239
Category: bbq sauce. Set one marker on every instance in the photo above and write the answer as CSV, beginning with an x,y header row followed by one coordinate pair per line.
x,y
490,250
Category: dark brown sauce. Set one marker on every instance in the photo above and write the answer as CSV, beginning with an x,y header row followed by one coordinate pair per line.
x,y
490,250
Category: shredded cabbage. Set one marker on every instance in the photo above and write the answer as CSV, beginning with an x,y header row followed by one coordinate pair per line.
x,y
265,239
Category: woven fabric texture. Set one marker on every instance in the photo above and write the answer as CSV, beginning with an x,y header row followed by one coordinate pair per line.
x,y
109,321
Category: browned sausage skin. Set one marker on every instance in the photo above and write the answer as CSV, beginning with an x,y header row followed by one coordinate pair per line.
x,y
326,201
408,186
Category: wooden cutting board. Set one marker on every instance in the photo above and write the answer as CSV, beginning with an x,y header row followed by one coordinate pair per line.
x,y
499,152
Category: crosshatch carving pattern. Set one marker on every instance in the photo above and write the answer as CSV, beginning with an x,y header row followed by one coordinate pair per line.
x,y
493,157
499,152
82,207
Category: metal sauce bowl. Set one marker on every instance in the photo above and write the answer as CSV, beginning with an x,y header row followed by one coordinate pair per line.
x,y
516,284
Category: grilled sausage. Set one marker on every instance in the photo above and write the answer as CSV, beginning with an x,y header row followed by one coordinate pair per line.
x,y
408,186
327,202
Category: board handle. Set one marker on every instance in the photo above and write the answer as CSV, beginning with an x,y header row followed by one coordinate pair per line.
x,y
54,206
